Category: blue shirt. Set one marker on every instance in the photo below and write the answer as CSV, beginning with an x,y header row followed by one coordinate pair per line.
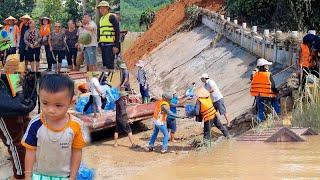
x,y
173,109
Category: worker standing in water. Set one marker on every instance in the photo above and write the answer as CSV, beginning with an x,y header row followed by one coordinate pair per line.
x,y
206,112
263,88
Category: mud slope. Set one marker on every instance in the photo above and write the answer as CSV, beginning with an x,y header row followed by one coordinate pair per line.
x,y
167,21
184,57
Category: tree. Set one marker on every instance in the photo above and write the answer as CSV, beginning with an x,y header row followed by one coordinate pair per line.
x,y
72,9
147,18
15,8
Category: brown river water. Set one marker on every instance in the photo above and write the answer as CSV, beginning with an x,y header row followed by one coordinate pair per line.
x,y
246,160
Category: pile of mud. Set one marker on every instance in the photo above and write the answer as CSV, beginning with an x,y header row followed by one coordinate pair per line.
x,y
166,23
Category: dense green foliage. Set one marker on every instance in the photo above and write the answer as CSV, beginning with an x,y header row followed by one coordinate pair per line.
x,y
16,8
147,17
285,15
131,11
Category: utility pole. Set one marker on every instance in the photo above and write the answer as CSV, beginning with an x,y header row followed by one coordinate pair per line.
x,y
84,6
97,13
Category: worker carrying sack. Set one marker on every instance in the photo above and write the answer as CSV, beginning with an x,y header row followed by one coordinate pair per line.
x,y
15,100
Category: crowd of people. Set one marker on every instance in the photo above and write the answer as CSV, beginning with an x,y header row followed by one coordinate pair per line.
x,y
76,43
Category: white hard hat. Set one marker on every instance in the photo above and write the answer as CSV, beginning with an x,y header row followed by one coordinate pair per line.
x,y
205,76
262,62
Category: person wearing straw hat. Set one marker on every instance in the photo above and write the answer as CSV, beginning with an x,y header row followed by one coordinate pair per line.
x,y
14,34
143,82
205,111
124,76
263,89
45,30
122,120
24,26
161,112
109,35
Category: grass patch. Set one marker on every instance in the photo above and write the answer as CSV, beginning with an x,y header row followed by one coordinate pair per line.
x,y
307,106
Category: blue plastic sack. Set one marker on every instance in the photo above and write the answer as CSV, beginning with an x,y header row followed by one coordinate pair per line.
x,y
85,173
190,110
190,92
112,95
81,103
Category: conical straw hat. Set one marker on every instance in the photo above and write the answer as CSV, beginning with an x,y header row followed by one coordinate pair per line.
x,y
10,18
26,17
202,92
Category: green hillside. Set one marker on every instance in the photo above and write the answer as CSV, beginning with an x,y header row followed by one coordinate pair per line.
x,y
132,9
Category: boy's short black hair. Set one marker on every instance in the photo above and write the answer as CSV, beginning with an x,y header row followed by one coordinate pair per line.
x,y
55,83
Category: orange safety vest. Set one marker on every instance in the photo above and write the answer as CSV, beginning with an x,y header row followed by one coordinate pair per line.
x,y
158,114
207,110
305,59
261,85
16,32
45,31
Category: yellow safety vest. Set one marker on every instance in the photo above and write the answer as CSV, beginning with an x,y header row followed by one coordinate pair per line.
x,y
107,33
207,110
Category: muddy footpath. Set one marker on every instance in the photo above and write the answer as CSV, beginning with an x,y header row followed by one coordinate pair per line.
x,y
122,162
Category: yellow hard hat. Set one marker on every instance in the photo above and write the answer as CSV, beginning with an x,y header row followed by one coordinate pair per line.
x,y
103,4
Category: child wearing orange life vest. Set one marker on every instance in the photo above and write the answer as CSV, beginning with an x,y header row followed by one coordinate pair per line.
x,y
161,112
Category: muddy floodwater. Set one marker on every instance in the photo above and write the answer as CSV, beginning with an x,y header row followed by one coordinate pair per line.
x,y
245,160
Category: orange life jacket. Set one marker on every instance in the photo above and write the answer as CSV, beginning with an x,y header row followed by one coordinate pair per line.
x,y
45,31
261,85
158,114
305,59
207,110
16,32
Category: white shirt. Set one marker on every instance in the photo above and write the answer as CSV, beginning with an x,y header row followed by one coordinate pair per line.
x,y
93,34
54,148
210,85
94,85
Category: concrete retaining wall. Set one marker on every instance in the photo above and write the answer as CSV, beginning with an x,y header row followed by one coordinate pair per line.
x,y
260,45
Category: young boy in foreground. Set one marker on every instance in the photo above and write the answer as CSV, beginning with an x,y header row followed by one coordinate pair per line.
x,y
54,139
